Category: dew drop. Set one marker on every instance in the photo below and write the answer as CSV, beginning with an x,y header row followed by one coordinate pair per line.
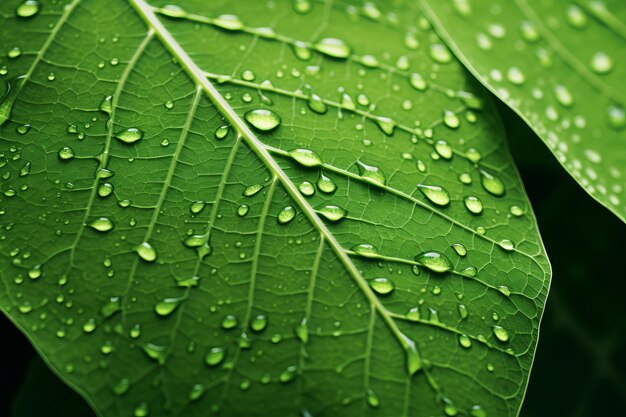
x,y
130,135
101,224
617,117
142,410
259,323
601,63
222,131
228,22
515,76
516,211
477,411
316,104
333,47
288,374
167,306
435,261
106,105
146,252
197,391
197,206
66,153
371,174
215,356
229,322
473,204
491,183
105,189
465,178
326,184
451,120
286,215
252,190
386,124
155,352
365,250
28,9
301,50
473,155
382,286
459,249
501,333
444,149
333,213
435,194
306,188
302,6
372,399
507,245
563,96
418,82
306,157
576,17
463,313
262,119
242,210
440,53
465,341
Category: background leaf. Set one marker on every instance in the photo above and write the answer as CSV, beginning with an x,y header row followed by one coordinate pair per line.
x,y
560,65
175,247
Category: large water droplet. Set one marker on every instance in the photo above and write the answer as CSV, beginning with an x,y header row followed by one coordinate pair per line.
x,y
66,153
435,194
228,22
435,261
333,47
371,174
440,53
465,341
451,119
366,250
459,249
491,183
563,96
101,224
326,184
286,215
602,63
28,8
130,135
306,188
146,252
167,306
316,104
306,157
333,213
215,356
382,285
473,204
262,119
259,323
252,190
501,333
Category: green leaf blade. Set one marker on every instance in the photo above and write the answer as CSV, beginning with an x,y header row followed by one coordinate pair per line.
x,y
193,304
559,65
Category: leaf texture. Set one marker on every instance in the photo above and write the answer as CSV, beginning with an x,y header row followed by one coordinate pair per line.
x,y
263,208
560,65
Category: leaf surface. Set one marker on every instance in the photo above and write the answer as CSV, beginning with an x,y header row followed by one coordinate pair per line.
x,y
560,65
252,208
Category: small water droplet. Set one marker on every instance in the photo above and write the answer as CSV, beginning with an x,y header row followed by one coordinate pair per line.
x,y
435,194
259,323
222,131
252,190
242,210
306,188
262,119
316,104
463,313
372,399
563,96
477,411
491,183
465,341
617,117
146,252
101,224
302,6
130,135
142,410
435,261
382,286
501,333
155,352
197,206
215,356
451,119
333,213
473,204
326,184
306,157
66,153
167,306
333,47
516,211
229,322
366,250
286,215
507,245
443,149
440,53
459,249
228,22
197,391
576,17
106,105
371,174
601,63
28,8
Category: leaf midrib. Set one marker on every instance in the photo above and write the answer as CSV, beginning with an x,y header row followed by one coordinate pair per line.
x,y
146,12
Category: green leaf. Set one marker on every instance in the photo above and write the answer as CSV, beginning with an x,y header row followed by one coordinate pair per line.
x,y
560,65
208,216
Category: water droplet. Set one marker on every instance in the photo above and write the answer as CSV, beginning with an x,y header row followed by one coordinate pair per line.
x,y
35,272
215,356
333,213
515,76
259,323
386,124
449,408
563,96
382,285
122,386
326,184
371,174
23,129
501,333
228,22
366,250
465,178
516,211
130,135
14,52
106,105
229,322
617,117
470,271
440,53
101,224
333,47
306,157
105,189
451,120
66,153
435,194
252,190
463,313
146,252
142,410
242,210
529,32
196,392
507,245
306,188
459,249
473,204
301,50
302,6
288,374
602,63
197,206
155,352
491,183
28,9
167,306
576,17
465,341
222,131
316,104
372,399
477,411
435,261
262,119
286,215
443,149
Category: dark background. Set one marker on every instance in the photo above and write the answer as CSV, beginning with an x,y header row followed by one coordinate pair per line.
x,y
580,366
